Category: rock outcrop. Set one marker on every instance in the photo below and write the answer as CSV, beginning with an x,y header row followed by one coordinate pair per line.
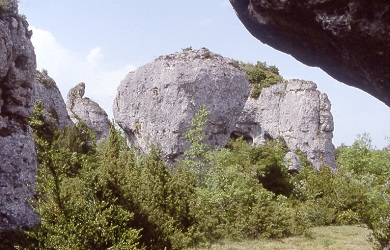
x,y
155,103
88,111
296,111
45,89
18,165
347,39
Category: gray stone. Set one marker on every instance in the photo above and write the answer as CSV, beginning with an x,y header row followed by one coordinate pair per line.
x,y
18,164
296,111
155,103
347,39
88,111
292,162
45,89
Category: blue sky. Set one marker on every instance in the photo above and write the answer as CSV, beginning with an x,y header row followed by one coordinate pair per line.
x,y
98,42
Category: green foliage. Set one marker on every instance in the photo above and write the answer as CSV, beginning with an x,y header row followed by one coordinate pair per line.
x,y
44,78
363,160
112,197
358,193
370,168
4,5
270,169
196,158
233,203
188,49
163,200
261,76
79,208
328,198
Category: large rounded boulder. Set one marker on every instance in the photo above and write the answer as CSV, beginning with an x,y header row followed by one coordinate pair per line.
x,y
155,103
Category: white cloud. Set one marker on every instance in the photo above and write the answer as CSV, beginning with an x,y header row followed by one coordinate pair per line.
x,y
94,55
68,68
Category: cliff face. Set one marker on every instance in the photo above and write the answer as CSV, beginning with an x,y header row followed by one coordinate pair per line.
x,y
18,164
296,111
45,89
81,108
348,39
155,104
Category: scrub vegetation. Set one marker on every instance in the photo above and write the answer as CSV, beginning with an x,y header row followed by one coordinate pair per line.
x,y
110,196
261,75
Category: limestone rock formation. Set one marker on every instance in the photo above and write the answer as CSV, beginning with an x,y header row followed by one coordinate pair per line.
x,y
347,39
296,111
82,108
292,161
45,89
18,163
155,103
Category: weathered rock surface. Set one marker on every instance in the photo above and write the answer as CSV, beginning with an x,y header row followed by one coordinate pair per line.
x,y
82,108
292,161
155,103
296,111
347,39
45,89
18,163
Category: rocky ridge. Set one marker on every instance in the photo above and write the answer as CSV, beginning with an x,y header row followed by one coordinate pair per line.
x,y
45,89
82,108
295,111
18,163
155,103
347,39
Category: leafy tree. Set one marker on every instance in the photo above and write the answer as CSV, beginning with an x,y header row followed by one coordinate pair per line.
x,y
196,158
370,168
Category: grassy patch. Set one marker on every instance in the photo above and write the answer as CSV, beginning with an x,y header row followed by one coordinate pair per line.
x,y
331,237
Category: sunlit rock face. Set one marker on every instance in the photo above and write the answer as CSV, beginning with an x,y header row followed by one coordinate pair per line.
x,y
347,39
297,112
155,103
45,89
88,111
18,164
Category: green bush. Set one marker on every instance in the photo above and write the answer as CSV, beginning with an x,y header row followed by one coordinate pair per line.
x,y
261,76
358,193
4,5
111,196
370,168
231,199
78,205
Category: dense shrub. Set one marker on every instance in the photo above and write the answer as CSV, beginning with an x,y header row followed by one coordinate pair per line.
x,y
358,193
260,75
79,208
111,196
232,199
370,168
